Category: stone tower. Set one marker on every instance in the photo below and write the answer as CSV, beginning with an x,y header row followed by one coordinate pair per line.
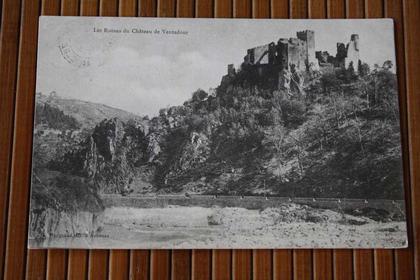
x,y
308,36
353,53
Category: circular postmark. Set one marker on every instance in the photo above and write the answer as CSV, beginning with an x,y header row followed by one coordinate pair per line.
x,y
82,48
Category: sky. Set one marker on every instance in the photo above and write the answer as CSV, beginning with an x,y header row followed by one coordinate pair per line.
x,y
143,72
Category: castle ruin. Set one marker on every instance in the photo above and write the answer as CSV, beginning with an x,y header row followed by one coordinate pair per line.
x,y
293,55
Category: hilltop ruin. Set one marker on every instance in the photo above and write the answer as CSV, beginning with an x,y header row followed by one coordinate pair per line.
x,y
290,57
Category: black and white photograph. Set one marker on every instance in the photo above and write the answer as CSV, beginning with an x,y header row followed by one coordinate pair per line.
x,y
216,133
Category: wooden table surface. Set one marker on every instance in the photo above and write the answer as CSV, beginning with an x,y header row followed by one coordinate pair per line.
x,y
17,84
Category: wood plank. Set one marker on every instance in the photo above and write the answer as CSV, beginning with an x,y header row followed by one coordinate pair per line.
x,y
89,7
222,264
322,263
49,7
403,258
70,7
119,263
343,264
98,264
374,8
261,8
160,265
336,8
166,8
36,265
77,264
242,8
57,264
9,46
411,22
302,264
298,9
262,263
363,264
201,264
317,9
355,9
283,264
241,264
127,8
384,264
279,8
185,8
223,8
181,264
108,8
147,8
139,264
16,242
204,8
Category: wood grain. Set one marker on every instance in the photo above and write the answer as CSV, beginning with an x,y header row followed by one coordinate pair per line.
x,y
403,258
36,265
9,46
139,264
363,264
411,21
185,8
283,264
222,264
223,8
56,264
98,264
322,263
302,264
242,264
16,243
181,264
262,263
160,264
77,264
201,264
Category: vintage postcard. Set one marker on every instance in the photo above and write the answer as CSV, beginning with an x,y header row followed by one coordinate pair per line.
x,y
216,133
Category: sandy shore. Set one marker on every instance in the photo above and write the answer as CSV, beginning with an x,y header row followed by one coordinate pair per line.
x,y
287,226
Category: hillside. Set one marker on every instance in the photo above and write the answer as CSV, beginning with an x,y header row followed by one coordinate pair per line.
x,y
336,134
87,114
